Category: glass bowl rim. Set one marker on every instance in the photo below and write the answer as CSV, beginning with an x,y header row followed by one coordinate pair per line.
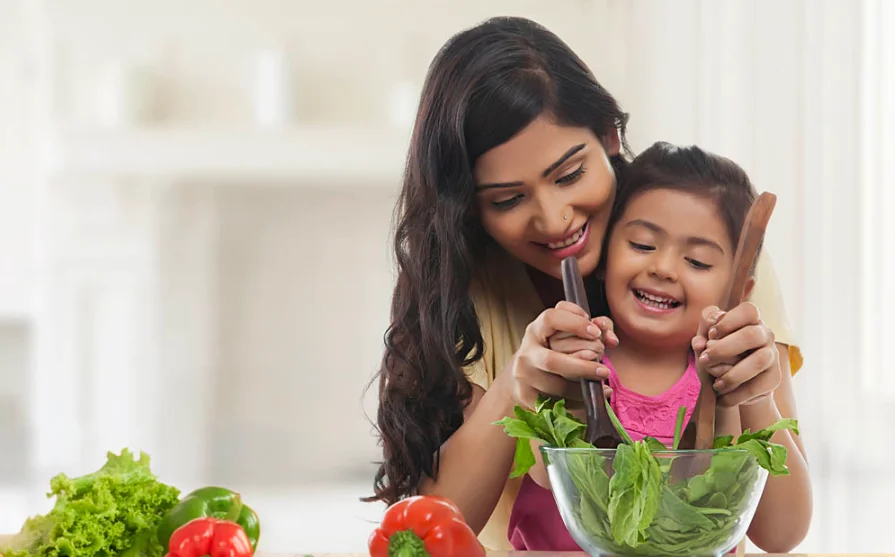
x,y
668,452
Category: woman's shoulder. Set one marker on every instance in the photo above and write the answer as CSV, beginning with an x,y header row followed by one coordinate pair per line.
x,y
505,303
767,296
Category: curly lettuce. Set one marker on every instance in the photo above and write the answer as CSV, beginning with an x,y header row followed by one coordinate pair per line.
x,y
111,512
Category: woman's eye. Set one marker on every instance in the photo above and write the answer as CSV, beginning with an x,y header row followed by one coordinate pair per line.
x,y
698,264
571,176
641,247
507,203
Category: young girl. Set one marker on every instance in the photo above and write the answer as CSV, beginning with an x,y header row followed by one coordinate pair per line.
x,y
512,167
669,255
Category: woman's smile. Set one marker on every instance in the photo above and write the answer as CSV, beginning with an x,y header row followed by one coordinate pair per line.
x,y
568,246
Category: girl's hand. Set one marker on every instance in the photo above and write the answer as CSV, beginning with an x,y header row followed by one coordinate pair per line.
x,y
539,367
738,349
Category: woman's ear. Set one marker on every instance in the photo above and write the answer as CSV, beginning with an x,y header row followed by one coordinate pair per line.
x,y
612,143
750,284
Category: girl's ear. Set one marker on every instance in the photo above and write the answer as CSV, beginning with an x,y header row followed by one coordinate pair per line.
x,y
612,143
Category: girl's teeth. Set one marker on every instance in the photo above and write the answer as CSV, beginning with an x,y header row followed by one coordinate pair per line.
x,y
657,301
571,240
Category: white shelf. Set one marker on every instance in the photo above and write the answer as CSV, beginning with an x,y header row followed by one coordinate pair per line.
x,y
301,156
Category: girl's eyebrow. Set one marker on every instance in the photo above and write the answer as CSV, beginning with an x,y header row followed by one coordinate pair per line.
x,y
691,240
553,166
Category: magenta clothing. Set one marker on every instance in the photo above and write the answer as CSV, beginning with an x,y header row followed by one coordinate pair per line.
x,y
535,523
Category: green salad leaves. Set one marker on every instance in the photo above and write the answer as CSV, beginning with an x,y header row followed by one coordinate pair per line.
x,y
641,499
111,512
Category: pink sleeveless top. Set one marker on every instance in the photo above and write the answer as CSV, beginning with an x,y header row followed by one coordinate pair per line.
x,y
535,523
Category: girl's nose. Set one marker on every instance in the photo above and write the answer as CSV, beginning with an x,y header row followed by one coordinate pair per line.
x,y
662,266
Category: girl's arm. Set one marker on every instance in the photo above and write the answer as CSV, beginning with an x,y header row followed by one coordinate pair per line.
x,y
784,513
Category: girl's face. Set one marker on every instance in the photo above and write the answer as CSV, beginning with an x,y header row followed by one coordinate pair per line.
x,y
668,258
546,194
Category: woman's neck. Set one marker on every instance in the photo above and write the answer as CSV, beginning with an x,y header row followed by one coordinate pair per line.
x,y
550,290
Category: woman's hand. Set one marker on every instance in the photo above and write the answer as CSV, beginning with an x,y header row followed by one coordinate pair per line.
x,y
559,348
738,349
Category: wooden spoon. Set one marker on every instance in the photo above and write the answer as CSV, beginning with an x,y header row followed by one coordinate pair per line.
x,y
600,432
700,431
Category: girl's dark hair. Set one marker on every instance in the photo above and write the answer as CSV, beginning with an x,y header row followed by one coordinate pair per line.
x,y
484,86
693,170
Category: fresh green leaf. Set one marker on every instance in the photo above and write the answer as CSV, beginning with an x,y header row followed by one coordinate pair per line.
x,y
113,511
767,433
523,459
722,442
679,427
618,425
655,445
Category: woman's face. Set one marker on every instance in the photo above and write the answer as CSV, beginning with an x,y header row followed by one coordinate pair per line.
x,y
546,194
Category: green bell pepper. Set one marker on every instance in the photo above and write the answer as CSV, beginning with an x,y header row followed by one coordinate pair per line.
x,y
216,502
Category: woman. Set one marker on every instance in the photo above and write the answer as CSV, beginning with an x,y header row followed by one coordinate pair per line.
x,y
512,167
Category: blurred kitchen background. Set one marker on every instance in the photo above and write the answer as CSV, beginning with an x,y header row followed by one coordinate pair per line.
x,y
195,205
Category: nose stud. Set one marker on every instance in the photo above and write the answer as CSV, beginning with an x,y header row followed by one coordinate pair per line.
x,y
565,216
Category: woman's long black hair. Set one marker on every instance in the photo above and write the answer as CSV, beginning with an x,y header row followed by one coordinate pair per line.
x,y
484,86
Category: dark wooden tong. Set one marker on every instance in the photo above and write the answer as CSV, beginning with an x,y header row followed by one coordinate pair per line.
x,y
700,431
600,431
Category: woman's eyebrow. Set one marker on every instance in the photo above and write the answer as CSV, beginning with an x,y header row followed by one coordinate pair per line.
x,y
553,166
562,159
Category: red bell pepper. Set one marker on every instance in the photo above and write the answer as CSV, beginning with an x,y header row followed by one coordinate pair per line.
x,y
424,526
211,537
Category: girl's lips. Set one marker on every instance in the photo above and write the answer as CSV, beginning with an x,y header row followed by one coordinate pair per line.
x,y
572,249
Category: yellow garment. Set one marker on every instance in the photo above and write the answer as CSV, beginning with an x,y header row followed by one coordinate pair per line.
x,y
506,302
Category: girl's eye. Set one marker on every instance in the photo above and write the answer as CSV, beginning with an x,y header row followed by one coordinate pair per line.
x,y
641,247
507,203
571,176
698,264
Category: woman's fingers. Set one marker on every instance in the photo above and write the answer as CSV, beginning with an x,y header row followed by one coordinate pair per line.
x,y
758,363
582,348
739,317
565,365
730,348
561,320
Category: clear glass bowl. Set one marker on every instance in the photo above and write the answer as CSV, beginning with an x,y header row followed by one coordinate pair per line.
x,y
705,504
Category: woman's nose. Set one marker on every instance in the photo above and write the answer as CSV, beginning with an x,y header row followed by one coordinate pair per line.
x,y
554,218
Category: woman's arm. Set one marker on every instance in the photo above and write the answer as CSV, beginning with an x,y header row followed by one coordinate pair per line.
x,y
784,513
476,461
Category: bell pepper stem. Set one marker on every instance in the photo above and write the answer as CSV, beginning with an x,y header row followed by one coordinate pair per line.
x,y
235,509
406,544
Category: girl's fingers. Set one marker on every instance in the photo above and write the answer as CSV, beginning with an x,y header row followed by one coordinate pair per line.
x,y
607,328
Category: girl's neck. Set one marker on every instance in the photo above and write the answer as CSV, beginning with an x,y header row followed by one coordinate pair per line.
x,y
646,367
